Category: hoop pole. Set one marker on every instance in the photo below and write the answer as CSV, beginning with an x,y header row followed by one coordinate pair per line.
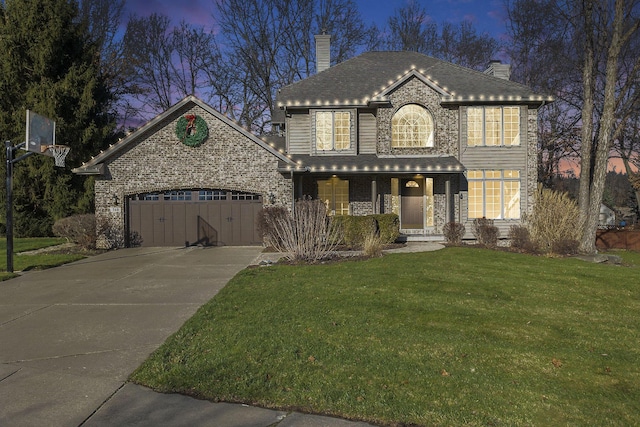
x,y
9,223
9,182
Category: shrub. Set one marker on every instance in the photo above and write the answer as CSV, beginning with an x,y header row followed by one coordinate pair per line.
x,y
388,227
521,239
453,232
485,232
356,229
310,235
79,229
553,221
265,223
372,245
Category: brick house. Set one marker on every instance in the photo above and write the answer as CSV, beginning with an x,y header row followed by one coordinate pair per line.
x,y
384,132
406,133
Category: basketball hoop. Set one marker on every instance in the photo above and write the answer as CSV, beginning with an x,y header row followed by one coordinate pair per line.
x,y
58,152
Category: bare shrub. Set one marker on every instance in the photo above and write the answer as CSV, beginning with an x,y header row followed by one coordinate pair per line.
x,y
265,223
453,232
309,235
109,236
554,219
372,245
485,232
521,239
79,229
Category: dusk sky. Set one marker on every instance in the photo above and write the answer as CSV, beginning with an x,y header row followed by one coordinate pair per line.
x,y
486,15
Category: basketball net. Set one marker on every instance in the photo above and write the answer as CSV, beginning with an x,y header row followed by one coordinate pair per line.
x,y
59,153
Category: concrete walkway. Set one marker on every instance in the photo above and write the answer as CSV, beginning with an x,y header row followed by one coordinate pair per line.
x,y
70,336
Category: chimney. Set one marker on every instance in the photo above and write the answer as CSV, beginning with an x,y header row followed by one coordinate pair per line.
x,y
323,51
497,69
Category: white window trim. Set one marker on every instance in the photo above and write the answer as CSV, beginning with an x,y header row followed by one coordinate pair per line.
x,y
483,180
333,131
428,142
502,128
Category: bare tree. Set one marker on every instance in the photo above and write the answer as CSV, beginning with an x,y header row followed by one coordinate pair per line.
x,y
270,44
609,29
410,28
544,58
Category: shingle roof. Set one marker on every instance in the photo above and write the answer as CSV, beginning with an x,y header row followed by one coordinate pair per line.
x,y
360,80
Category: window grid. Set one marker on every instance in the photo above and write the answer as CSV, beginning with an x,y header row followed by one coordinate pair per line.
x,y
334,193
494,194
236,195
411,126
177,195
212,195
493,126
333,130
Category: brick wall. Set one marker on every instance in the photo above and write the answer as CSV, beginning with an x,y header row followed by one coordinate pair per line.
x,y
158,161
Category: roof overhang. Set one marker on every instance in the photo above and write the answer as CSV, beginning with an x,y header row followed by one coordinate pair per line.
x,y
367,164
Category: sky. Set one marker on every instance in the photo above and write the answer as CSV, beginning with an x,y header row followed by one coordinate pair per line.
x,y
486,15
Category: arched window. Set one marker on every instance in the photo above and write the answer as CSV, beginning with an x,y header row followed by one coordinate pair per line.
x,y
411,126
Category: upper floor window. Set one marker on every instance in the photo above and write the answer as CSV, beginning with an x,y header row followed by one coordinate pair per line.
x,y
333,130
411,126
493,126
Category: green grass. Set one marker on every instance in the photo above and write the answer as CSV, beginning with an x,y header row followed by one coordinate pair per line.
x,y
457,337
33,262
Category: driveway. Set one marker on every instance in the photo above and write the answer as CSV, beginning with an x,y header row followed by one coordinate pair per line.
x,y
70,336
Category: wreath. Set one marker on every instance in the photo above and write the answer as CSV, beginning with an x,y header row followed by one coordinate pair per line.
x,y
191,130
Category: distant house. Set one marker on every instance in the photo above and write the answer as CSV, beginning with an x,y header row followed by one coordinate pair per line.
x,y
384,132
607,216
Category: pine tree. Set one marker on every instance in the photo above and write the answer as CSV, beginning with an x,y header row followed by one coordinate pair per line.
x,y
49,65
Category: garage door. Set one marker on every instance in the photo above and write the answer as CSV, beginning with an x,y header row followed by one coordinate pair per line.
x,y
192,217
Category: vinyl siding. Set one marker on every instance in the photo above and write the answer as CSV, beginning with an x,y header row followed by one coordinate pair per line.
x,y
299,134
367,133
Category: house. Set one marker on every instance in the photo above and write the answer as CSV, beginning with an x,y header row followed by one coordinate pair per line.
x,y
607,217
384,132
410,134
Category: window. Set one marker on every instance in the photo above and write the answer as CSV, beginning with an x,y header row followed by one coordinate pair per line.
x,y
334,193
244,196
494,194
493,126
177,195
333,130
411,126
205,195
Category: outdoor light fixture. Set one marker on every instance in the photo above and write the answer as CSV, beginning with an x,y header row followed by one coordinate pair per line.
x,y
272,198
115,199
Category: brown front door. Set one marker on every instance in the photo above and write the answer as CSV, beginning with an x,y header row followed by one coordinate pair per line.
x,y
412,203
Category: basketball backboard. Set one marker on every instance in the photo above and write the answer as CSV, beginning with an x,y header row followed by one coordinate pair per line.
x,y
41,132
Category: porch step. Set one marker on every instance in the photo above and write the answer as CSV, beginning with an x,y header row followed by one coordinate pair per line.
x,y
420,238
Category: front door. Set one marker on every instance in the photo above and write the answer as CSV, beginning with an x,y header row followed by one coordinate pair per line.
x,y
412,203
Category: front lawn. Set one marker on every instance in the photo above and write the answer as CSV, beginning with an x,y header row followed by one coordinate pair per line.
x,y
22,262
460,336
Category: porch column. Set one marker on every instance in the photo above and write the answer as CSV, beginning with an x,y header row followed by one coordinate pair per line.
x,y
374,196
299,194
447,195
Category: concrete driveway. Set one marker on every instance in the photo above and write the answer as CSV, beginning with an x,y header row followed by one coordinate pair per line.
x,y
70,336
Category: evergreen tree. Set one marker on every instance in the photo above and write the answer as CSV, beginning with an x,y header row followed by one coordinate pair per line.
x,y
50,65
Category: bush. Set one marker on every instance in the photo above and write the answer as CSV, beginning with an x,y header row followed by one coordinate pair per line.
x,y
521,239
553,221
310,235
485,232
372,246
356,229
453,232
79,229
265,224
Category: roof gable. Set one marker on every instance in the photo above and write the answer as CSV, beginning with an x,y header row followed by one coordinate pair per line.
x,y
95,166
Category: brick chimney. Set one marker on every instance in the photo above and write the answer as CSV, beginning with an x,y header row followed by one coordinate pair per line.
x,y
497,69
323,51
